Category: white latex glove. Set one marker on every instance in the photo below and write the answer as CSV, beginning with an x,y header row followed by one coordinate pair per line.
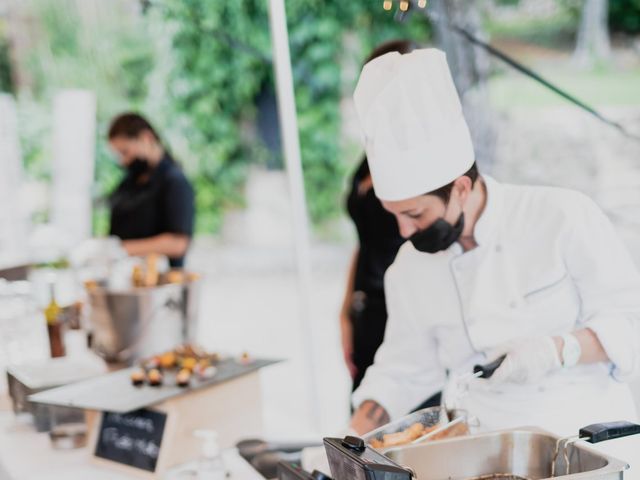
x,y
527,361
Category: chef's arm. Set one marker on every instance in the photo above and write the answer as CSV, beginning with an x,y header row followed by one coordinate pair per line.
x,y
406,370
592,350
173,245
608,282
369,416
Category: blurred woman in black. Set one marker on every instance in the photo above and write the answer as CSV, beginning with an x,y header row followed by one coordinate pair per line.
x,y
152,210
363,315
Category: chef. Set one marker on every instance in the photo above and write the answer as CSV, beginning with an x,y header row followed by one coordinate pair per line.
x,y
537,273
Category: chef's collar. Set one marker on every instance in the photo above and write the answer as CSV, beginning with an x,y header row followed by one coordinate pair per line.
x,y
486,227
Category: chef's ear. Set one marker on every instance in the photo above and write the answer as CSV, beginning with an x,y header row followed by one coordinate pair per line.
x,y
462,187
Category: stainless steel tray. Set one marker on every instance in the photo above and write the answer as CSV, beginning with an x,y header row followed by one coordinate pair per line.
x,y
114,392
525,452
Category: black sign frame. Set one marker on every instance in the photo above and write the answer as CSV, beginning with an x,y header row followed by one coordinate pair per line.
x,y
133,439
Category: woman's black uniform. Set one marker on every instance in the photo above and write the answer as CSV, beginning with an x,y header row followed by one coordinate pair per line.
x,y
162,204
379,243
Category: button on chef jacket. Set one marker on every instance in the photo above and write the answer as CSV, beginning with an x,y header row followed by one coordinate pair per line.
x,y
163,204
548,262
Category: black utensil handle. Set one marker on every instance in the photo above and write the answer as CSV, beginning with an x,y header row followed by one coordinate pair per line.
x,y
601,432
489,369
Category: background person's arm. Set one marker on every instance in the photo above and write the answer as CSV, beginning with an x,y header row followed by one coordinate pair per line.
x,y
173,245
346,328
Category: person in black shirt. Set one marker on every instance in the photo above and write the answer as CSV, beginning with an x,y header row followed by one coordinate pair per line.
x,y
363,315
152,210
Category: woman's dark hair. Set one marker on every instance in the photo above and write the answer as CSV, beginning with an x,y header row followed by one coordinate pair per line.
x,y
130,125
400,46
444,193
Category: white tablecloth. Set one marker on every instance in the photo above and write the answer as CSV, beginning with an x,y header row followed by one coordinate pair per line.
x,y
28,455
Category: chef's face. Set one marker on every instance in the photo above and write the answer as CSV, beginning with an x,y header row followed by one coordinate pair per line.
x,y
419,213
129,149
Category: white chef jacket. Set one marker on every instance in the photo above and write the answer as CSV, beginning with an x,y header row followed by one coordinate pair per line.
x,y
548,262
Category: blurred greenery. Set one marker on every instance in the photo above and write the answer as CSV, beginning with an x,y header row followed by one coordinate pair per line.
x,y
198,67
6,84
209,61
558,30
624,15
602,87
223,53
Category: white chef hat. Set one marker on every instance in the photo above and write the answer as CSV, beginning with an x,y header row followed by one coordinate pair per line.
x,y
415,135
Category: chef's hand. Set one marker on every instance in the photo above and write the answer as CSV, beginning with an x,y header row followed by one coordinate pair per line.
x,y
527,361
346,329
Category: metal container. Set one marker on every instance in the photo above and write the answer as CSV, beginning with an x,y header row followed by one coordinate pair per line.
x,y
523,452
25,380
127,325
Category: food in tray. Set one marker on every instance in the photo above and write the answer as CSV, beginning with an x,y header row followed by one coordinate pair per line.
x,y
176,367
138,377
183,378
245,358
155,377
403,437
175,276
456,430
168,360
188,363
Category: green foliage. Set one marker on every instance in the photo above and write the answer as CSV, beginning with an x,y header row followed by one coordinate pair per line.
x,y
624,15
218,60
222,52
6,83
556,31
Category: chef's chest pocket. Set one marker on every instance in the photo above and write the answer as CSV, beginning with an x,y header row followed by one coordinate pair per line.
x,y
552,300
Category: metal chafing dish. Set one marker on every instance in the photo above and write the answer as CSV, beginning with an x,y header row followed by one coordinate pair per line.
x,y
522,453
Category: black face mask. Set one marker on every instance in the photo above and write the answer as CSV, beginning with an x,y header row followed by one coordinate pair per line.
x,y
137,167
438,236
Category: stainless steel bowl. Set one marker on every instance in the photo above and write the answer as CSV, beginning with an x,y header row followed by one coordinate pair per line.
x,y
131,324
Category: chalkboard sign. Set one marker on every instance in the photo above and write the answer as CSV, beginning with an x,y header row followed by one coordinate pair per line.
x,y
132,439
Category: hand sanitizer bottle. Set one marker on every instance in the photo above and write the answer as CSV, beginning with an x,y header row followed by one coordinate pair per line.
x,y
210,466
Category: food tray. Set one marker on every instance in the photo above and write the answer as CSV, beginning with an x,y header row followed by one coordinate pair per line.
x,y
429,418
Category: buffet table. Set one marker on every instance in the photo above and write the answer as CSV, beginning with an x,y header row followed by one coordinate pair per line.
x,y
27,455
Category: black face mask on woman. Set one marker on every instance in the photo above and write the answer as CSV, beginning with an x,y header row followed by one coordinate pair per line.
x,y
438,236
138,166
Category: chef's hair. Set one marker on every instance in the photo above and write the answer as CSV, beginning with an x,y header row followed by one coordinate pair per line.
x,y
130,125
444,193
398,45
